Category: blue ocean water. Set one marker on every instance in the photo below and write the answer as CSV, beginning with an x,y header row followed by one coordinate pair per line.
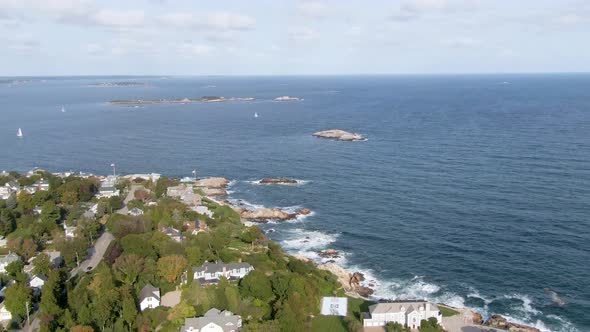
x,y
471,190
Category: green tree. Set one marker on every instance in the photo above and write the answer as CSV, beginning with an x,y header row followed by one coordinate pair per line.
x,y
194,256
15,271
171,267
128,268
42,265
257,285
7,222
17,296
25,200
24,247
50,213
395,327
430,325
51,298
180,312
128,307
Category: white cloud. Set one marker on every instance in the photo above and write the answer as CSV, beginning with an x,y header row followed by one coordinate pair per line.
x,y
216,21
313,9
191,49
569,19
112,18
412,9
461,42
302,34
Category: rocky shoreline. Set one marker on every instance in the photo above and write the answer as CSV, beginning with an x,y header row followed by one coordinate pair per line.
x,y
353,283
277,181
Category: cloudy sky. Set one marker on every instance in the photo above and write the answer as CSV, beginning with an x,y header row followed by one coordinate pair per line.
x,y
199,37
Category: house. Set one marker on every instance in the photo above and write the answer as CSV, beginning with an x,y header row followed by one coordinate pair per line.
x,y
149,297
69,230
6,192
42,185
184,192
201,209
173,233
55,259
37,281
107,187
407,313
135,212
91,212
210,273
5,260
213,320
195,227
334,306
154,177
4,313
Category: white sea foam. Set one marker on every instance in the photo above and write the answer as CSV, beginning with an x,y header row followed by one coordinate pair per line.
x,y
527,303
242,203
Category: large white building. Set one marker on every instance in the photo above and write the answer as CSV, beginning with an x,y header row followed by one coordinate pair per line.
x,y
214,320
407,313
210,273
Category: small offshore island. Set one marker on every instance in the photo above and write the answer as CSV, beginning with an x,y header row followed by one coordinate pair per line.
x,y
339,135
119,84
204,99
85,252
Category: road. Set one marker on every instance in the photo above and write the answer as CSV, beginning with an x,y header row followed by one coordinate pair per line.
x,y
130,196
96,254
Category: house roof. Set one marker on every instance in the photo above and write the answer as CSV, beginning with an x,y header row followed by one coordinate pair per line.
x,y
218,267
396,306
224,319
149,291
11,257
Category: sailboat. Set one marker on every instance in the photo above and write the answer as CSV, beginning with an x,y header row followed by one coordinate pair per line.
x,y
19,133
63,110
255,114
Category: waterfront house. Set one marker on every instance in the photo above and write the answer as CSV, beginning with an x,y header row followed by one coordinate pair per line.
x,y
210,273
107,187
173,233
149,297
135,212
7,259
184,192
406,313
213,320
154,177
4,313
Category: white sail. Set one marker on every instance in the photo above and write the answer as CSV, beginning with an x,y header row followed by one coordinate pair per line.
x,y
63,110
19,133
255,114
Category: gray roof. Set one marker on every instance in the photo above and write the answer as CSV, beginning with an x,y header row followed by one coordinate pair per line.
x,y
218,267
11,257
149,291
396,306
225,319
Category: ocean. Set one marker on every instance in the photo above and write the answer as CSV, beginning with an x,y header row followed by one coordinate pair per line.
x,y
470,190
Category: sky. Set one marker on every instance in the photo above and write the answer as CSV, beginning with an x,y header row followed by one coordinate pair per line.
x,y
292,37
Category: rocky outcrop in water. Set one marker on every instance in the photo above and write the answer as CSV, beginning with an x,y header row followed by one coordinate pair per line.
x,y
213,183
329,253
264,215
499,322
287,98
339,135
277,181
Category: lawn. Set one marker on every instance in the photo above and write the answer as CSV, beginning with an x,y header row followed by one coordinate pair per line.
x,y
447,312
335,323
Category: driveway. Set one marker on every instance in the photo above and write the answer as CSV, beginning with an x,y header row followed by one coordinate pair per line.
x,y
96,254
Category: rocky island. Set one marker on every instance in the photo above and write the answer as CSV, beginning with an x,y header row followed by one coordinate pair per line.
x,y
119,84
264,215
287,98
277,181
339,135
205,99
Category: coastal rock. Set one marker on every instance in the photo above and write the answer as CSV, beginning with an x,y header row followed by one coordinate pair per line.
x,y
265,214
356,278
304,211
363,291
476,317
287,98
213,183
500,322
277,181
329,253
339,135
214,192
340,273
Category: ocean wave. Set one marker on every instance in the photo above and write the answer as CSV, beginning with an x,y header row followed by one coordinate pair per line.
x,y
242,203
307,243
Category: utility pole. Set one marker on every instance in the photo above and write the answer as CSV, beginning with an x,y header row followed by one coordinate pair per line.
x,y
114,169
27,307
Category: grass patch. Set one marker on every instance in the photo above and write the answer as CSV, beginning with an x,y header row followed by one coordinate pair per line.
x,y
447,312
328,323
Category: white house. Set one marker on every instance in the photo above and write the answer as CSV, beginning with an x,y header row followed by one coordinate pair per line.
x,y
107,187
214,320
173,233
37,282
135,212
4,314
184,192
69,230
210,273
149,297
5,260
407,313
5,192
